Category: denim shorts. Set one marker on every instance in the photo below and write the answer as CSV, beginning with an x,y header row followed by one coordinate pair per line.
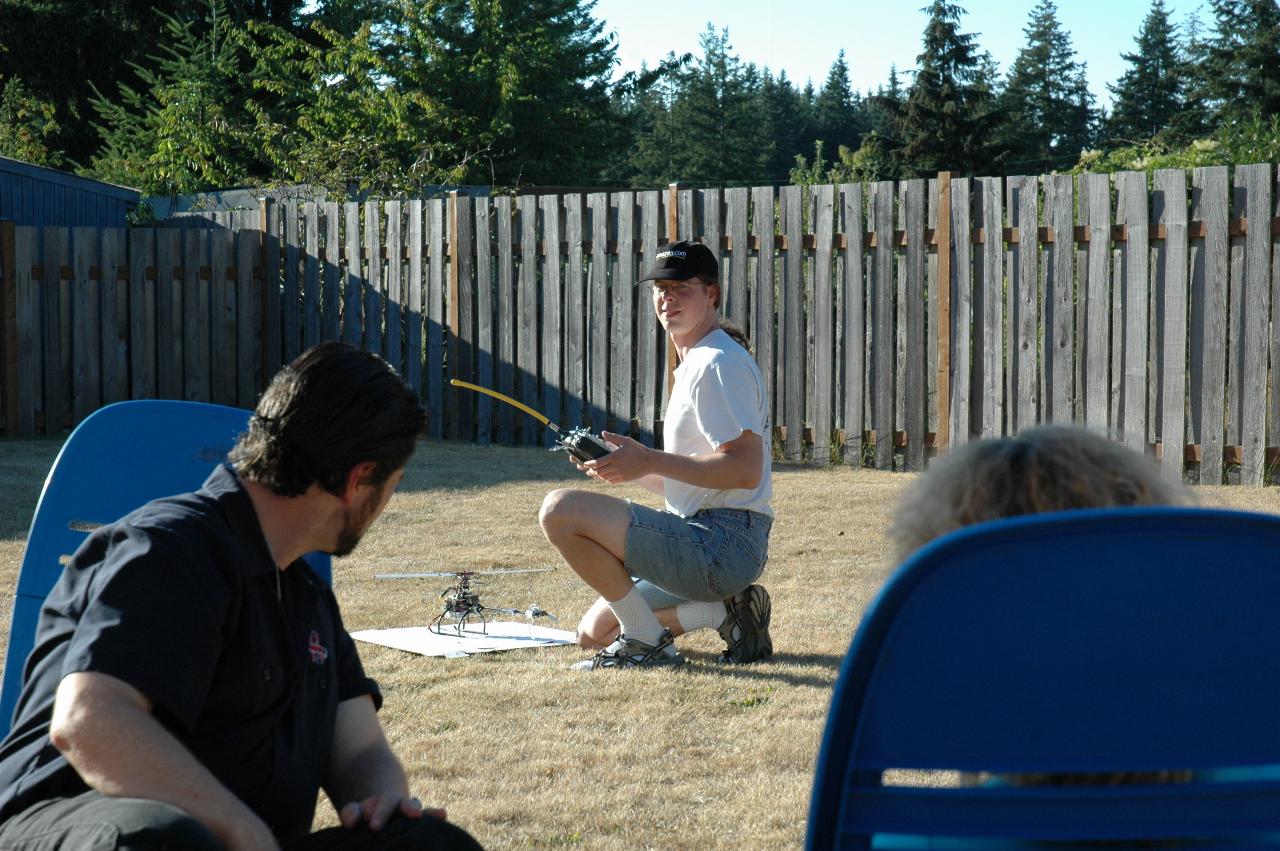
x,y
707,557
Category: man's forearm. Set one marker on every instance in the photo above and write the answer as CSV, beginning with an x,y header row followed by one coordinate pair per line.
x,y
108,735
715,470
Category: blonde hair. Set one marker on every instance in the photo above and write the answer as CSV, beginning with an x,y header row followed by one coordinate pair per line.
x,y
1046,468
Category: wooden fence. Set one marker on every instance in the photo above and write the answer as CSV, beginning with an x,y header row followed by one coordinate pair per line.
x,y
1132,302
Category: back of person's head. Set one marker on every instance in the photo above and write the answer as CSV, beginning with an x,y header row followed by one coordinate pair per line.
x,y
1046,468
334,407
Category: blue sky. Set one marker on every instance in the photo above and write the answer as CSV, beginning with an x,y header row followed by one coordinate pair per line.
x,y
804,36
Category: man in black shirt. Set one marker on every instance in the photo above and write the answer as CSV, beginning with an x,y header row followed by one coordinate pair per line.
x,y
192,685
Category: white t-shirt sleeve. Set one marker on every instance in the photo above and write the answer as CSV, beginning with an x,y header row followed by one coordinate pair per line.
x,y
723,416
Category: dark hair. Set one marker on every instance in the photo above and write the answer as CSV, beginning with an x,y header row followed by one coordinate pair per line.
x,y
334,407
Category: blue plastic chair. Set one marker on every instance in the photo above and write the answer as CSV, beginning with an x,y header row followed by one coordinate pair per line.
x,y
118,458
1140,639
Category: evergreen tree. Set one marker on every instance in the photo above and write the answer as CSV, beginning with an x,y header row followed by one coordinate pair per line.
x,y
327,117
1046,107
524,84
1239,73
713,113
836,114
66,50
945,122
184,130
784,125
1150,94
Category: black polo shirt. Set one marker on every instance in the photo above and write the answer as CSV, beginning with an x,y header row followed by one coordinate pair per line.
x,y
244,664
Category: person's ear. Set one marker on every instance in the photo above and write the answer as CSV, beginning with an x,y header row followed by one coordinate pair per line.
x,y
360,474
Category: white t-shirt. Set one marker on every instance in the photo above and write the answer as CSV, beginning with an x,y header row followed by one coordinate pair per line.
x,y
718,394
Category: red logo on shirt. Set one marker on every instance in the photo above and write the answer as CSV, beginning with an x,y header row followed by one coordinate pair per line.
x,y
316,649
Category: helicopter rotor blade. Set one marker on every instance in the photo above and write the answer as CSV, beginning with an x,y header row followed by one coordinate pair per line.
x,y
473,573
431,575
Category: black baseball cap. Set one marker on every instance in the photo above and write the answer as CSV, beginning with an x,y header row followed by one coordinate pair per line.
x,y
680,261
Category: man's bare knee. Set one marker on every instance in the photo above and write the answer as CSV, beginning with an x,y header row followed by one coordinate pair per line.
x,y
598,627
556,514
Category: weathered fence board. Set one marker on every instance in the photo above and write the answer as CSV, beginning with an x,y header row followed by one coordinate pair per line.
x,y
1059,325
575,315
1171,214
595,223
394,338
1132,191
647,360
1209,318
882,373
1255,303
962,311
527,310
415,301
1097,295
434,366
992,331
552,307
462,309
622,358
791,324
853,323
763,321
374,290
1024,292
504,211
311,297
914,365
823,324
484,321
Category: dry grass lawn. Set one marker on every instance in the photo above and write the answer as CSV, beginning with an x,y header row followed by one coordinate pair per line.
x,y
527,754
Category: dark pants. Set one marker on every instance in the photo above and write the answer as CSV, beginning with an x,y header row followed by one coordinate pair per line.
x,y
94,822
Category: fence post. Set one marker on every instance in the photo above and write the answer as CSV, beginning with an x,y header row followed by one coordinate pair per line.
x,y
9,328
943,232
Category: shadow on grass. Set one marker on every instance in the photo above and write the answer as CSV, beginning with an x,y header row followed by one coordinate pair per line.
x,y
706,664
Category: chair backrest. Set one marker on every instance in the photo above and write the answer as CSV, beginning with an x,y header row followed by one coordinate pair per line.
x,y
120,457
1138,639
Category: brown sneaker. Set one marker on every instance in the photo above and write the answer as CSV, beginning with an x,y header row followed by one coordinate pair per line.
x,y
746,626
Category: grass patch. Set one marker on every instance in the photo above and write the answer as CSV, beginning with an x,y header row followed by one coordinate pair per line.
x,y
525,753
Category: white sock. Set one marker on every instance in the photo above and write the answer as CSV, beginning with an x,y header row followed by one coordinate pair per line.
x,y
700,615
635,617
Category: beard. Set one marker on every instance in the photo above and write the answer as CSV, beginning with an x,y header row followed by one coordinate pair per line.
x,y
354,524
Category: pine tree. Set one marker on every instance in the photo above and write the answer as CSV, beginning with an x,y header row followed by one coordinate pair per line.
x,y
945,122
1046,107
836,114
521,88
783,125
66,50
183,130
717,140
1151,93
1239,75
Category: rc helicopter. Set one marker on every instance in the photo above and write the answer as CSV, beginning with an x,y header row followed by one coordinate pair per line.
x,y
462,600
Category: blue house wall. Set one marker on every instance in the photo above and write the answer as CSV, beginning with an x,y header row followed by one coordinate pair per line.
x,y
34,195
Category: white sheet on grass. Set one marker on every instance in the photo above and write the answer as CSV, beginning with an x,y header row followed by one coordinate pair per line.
x,y
499,635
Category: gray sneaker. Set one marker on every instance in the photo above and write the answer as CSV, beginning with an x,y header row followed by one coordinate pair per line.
x,y
631,653
746,626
